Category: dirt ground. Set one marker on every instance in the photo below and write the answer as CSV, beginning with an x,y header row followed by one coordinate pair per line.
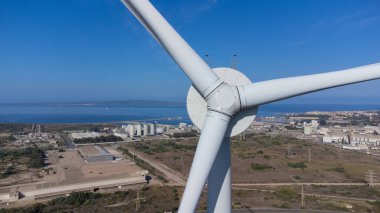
x,y
71,168
68,168
328,163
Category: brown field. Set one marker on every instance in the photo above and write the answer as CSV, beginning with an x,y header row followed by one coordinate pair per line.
x,y
74,169
328,163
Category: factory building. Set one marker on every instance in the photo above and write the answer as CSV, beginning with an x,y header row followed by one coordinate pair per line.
x,y
79,135
95,153
310,128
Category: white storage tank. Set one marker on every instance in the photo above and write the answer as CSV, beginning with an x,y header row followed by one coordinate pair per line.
x,y
145,129
152,129
138,130
131,131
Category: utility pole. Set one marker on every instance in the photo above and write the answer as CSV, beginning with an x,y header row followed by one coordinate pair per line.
x,y
340,153
234,62
371,177
302,197
207,59
181,163
309,156
242,136
138,200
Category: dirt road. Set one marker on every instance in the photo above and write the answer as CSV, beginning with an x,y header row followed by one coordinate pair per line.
x,y
174,177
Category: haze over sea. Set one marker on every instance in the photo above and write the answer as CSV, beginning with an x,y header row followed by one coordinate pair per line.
x,y
98,114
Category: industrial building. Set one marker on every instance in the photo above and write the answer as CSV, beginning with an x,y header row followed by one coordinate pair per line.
x,y
95,153
79,135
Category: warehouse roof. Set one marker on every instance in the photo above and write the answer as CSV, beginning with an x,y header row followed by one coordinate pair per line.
x,y
91,150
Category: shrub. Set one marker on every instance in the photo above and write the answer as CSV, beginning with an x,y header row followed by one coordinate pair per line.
x,y
296,177
260,167
299,165
337,169
286,194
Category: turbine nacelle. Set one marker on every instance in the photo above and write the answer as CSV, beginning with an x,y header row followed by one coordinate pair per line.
x,y
224,99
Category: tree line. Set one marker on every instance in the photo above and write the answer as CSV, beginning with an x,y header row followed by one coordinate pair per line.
x,y
109,138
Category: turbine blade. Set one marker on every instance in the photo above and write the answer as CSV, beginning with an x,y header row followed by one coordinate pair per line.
x,y
210,141
278,89
201,75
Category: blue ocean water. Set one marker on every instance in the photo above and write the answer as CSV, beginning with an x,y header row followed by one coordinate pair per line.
x,y
97,114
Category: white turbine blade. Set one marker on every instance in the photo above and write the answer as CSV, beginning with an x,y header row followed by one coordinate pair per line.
x,y
202,77
213,132
274,90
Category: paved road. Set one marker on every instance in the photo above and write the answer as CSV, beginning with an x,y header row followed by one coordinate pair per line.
x,y
299,184
82,186
174,177
274,210
311,194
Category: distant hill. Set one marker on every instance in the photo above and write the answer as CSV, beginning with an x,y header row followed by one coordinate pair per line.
x,y
134,103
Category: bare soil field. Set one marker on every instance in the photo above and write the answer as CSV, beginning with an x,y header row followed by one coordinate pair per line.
x,y
69,168
74,169
261,159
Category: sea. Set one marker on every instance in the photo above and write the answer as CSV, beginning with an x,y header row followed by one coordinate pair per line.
x,y
160,114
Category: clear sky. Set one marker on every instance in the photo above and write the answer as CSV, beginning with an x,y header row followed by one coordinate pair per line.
x,y
74,50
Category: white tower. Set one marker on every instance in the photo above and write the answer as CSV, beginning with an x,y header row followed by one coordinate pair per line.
x,y
131,131
138,130
145,129
152,129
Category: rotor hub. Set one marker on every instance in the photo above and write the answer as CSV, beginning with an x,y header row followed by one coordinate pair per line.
x,y
224,99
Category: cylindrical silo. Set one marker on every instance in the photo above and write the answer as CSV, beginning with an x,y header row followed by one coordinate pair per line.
x,y
138,130
131,131
145,129
152,129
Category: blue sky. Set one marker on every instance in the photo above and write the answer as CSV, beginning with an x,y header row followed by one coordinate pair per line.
x,y
74,50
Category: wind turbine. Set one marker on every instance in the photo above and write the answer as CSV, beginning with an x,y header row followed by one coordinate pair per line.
x,y
222,102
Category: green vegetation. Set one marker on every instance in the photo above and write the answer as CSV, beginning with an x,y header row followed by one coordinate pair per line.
x,y
296,177
15,128
35,156
109,138
268,141
185,134
299,165
8,171
287,194
261,167
337,169
75,200
152,199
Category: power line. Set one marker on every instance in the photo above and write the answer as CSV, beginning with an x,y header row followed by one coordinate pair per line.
x,y
371,179
138,200
302,197
234,62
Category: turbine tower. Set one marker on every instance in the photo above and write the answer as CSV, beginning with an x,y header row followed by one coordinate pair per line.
x,y
222,102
